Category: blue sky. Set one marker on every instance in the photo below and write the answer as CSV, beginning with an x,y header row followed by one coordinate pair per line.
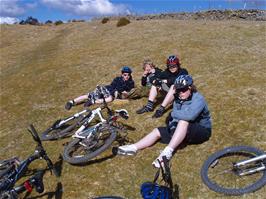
x,y
85,9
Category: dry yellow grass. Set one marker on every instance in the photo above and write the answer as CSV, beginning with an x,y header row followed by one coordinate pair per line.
x,y
44,66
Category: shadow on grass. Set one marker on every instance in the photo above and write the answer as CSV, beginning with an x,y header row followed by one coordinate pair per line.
x,y
96,161
176,192
57,194
58,165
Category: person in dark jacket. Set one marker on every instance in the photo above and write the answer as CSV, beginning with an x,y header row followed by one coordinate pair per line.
x,y
149,71
163,81
119,88
190,122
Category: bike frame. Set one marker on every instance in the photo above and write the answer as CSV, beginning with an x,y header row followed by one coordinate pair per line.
x,y
94,113
76,115
13,176
20,171
252,170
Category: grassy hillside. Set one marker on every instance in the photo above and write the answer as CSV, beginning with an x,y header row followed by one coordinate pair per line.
x,y
44,66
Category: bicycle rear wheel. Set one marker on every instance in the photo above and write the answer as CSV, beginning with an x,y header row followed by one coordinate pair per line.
x,y
56,132
80,151
219,175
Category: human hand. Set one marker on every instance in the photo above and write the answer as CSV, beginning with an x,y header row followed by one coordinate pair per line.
x,y
157,82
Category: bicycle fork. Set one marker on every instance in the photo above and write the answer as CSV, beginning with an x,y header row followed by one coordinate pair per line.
x,y
257,168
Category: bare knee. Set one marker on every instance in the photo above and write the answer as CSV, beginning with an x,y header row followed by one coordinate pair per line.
x,y
156,132
183,123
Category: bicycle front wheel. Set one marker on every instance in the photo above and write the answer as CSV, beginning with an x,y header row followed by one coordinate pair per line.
x,y
219,175
62,131
80,151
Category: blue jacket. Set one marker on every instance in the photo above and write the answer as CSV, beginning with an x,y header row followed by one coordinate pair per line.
x,y
194,110
118,84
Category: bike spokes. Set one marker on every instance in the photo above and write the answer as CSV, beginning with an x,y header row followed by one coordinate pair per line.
x,y
227,177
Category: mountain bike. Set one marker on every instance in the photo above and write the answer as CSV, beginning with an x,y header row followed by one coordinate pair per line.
x,y
11,170
62,128
90,141
235,170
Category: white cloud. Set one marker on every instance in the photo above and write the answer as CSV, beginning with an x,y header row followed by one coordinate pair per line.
x,y
88,7
8,20
10,8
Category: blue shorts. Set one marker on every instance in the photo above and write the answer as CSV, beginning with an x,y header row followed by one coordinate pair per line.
x,y
196,134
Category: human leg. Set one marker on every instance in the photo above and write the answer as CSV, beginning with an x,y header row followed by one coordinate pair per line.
x,y
75,101
178,136
107,99
143,143
149,106
167,100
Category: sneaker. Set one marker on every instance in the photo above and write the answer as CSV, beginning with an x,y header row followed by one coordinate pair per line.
x,y
69,105
165,153
159,112
127,150
144,109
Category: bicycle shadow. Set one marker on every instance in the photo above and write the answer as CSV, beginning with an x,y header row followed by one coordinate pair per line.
x,y
95,161
176,191
57,194
58,166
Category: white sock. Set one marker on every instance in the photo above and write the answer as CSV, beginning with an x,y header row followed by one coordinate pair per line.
x,y
168,150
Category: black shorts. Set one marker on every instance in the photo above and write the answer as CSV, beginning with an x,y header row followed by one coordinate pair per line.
x,y
196,134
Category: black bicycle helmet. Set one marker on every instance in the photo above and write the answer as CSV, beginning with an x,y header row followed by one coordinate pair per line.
x,y
126,69
183,81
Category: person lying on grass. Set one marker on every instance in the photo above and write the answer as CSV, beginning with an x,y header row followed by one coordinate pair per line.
x,y
118,89
189,122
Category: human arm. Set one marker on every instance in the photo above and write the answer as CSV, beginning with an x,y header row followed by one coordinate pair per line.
x,y
169,97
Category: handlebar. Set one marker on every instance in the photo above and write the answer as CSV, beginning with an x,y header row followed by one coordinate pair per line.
x,y
40,151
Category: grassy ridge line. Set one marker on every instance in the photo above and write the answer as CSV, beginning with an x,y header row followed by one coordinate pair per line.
x,y
42,67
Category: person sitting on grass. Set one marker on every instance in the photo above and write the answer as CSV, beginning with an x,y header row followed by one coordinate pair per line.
x,y
189,122
149,71
118,89
162,82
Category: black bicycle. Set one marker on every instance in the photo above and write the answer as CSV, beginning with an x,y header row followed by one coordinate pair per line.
x,y
11,170
235,170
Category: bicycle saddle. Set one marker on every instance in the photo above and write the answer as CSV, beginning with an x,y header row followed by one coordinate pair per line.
x,y
123,113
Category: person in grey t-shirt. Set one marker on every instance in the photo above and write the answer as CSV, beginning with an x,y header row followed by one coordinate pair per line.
x,y
189,122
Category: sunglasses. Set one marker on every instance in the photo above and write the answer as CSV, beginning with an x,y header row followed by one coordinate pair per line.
x,y
182,90
172,66
126,75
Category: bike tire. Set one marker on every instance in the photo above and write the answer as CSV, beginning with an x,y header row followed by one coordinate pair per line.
x,y
62,131
213,161
75,153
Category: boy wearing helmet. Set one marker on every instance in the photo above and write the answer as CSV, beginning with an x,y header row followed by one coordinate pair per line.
x,y
189,122
119,88
163,81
